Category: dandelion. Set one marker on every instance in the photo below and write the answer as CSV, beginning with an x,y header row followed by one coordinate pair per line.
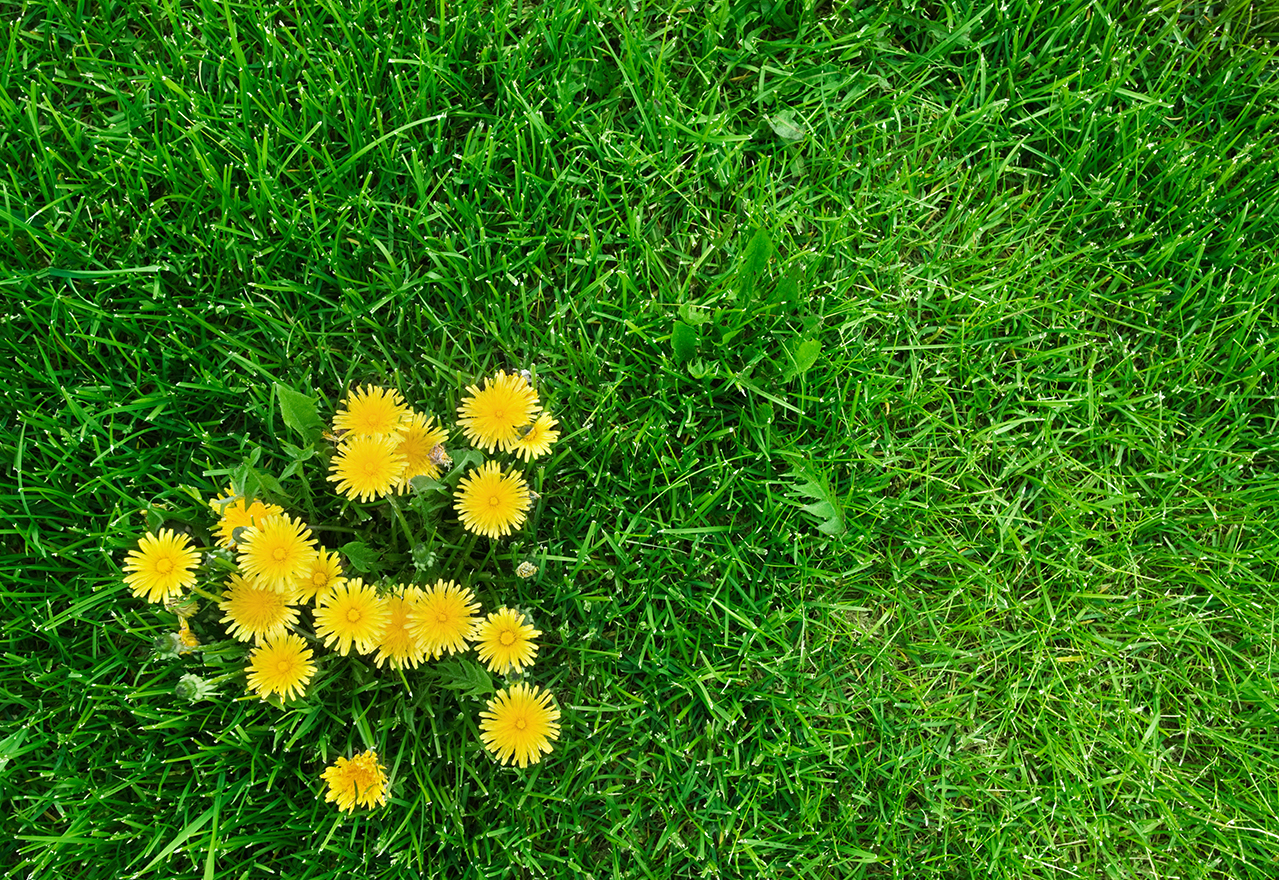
x,y
505,642
162,566
490,502
359,780
277,551
371,412
281,666
443,618
367,467
520,724
351,614
494,416
256,613
537,440
421,437
324,574
187,640
399,644
234,514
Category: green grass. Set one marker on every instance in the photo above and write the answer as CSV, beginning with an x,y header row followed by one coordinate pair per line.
x,y
1014,342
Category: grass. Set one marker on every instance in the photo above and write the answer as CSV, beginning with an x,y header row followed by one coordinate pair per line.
x,y
1009,335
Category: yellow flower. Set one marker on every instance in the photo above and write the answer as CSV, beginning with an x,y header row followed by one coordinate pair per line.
x,y
351,614
162,566
187,640
399,645
505,642
367,467
371,412
443,618
360,780
324,574
520,724
491,503
420,438
278,552
256,613
281,666
494,416
537,440
234,514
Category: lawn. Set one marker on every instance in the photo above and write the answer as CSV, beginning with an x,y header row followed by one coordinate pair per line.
x,y
914,510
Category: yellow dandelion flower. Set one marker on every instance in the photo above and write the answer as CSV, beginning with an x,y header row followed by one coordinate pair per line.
x,y
324,574
443,618
537,440
360,780
281,666
162,566
351,614
399,644
367,467
494,416
492,503
234,514
520,724
506,642
277,552
187,641
371,412
420,438
256,613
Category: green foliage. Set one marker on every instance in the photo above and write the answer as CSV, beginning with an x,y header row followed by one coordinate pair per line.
x,y
466,676
1029,249
299,413
825,505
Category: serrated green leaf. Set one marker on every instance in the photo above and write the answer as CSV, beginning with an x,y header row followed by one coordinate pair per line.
x,y
362,557
684,340
693,315
299,412
466,676
800,357
823,504
754,262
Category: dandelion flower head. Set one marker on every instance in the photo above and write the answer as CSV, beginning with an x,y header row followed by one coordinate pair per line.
x,y
372,411
281,666
489,502
399,644
506,642
493,417
420,437
351,613
368,466
520,725
443,618
162,566
360,780
256,613
234,514
324,574
278,552
537,440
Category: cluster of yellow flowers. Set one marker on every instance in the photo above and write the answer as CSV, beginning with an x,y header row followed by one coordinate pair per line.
x,y
280,568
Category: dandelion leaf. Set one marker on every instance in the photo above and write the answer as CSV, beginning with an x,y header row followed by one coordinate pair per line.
x,y
684,340
801,354
299,412
754,261
823,504
466,676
